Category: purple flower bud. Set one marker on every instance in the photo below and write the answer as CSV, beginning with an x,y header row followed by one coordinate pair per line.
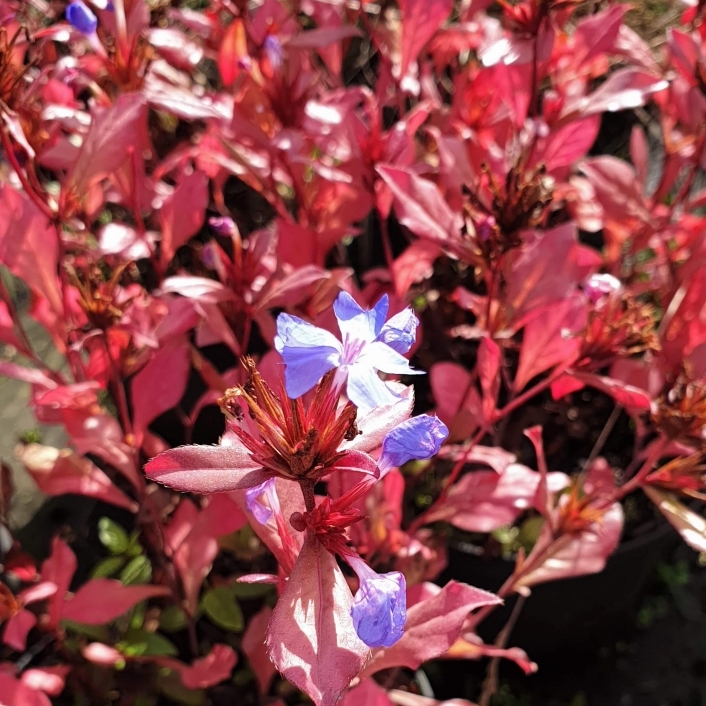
x,y
81,17
379,608
273,49
600,286
260,511
414,439
222,225
485,227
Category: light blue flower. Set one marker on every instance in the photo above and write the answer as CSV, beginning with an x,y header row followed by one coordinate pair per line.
x,y
369,345
417,438
379,608
81,17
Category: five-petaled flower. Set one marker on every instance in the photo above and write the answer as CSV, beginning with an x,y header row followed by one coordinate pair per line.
x,y
368,345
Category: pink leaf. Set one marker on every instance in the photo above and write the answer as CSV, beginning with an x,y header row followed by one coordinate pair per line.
x,y
470,646
433,625
105,655
113,132
34,376
597,34
624,89
413,264
193,538
420,206
626,395
322,37
206,469
212,669
255,649
50,680
367,693
17,629
568,144
420,20
159,386
488,366
311,637
482,501
550,338
60,471
690,525
102,600
182,214
458,403
58,569
15,693
29,247
577,554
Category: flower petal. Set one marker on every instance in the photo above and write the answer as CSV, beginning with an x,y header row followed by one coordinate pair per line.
x,y
206,469
380,356
308,352
81,17
417,438
356,323
400,332
366,390
379,609
377,423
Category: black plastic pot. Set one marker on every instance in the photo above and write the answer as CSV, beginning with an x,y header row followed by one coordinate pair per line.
x,y
569,615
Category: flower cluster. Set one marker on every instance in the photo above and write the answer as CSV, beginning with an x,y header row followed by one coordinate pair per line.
x,y
279,435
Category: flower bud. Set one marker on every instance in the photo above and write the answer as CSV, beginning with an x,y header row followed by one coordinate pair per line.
x,y
80,17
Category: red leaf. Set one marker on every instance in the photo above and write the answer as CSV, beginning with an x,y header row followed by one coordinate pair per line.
x,y
458,403
633,398
193,538
412,265
206,469
255,649
568,144
433,625
58,569
60,471
367,693
690,525
212,669
420,20
15,693
113,132
482,501
17,628
420,206
576,554
159,386
624,89
488,367
597,34
102,600
29,247
182,214
470,646
550,338
322,37
233,49
311,637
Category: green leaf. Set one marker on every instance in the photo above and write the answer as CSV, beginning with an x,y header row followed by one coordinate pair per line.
x,y
173,619
134,547
108,567
137,572
222,608
99,633
141,643
112,536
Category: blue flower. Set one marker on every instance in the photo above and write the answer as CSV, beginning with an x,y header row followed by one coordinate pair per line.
x,y
81,17
369,345
414,439
273,50
379,609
